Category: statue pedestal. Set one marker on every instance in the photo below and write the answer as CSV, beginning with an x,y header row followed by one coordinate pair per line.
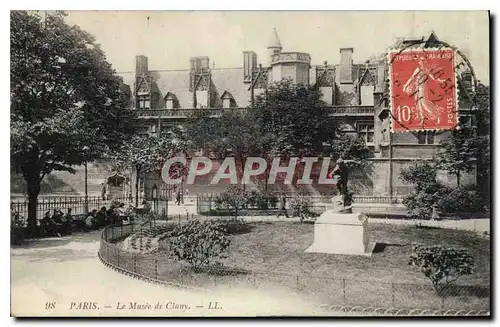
x,y
341,233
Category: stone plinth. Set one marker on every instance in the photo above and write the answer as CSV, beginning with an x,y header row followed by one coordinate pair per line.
x,y
341,233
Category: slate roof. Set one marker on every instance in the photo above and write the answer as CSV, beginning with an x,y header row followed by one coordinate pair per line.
x,y
223,80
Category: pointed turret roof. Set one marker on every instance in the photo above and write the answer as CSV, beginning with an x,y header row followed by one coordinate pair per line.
x,y
274,41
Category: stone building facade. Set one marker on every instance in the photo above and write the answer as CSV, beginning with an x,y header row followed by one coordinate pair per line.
x,y
356,94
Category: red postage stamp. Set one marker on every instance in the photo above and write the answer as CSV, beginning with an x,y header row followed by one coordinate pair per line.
x,y
423,90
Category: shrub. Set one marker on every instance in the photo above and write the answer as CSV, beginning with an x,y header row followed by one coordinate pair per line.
x,y
427,190
231,226
302,208
422,175
419,205
198,243
233,198
442,266
464,199
272,200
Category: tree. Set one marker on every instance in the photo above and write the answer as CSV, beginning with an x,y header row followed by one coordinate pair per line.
x,y
349,148
482,120
292,120
234,198
460,151
233,133
441,265
421,174
427,190
469,146
67,104
146,153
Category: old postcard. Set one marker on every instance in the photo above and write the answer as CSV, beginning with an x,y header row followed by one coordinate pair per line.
x,y
250,163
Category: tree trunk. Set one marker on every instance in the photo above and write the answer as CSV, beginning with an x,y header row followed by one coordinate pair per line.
x,y
266,175
136,187
242,172
458,179
32,176
33,192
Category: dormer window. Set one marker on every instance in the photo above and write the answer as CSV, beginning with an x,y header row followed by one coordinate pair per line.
x,y
144,102
143,93
169,104
227,100
170,101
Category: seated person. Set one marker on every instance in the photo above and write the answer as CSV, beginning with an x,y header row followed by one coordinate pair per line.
x,y
101,217
122,212
16,220
144,208
69,221
111,216
90,221
49,225
60,220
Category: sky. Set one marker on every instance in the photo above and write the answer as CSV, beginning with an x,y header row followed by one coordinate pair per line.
x,y
170,38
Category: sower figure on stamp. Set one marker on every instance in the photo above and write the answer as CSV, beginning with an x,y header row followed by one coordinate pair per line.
x,y
418,87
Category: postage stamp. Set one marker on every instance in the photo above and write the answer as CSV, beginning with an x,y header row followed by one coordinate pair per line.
x,y
423,90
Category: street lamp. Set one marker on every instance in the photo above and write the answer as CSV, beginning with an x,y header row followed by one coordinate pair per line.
x,y
85,153
154,195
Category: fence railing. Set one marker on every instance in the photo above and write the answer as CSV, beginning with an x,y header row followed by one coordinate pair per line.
x,y
78,205
206,201
188,112
332,291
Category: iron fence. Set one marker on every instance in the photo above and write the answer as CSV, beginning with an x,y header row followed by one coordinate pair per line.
x,y
158,266
77,204
205,202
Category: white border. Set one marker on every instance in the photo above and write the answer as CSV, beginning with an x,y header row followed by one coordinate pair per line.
x,y
199,5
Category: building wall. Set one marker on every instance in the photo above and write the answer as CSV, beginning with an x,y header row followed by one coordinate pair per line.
x,y
297,72
392,152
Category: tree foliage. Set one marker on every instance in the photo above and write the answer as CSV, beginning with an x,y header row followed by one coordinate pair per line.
x,y
421,174
234,198
292,120
459,152
231,133
349,148
145,153
67,104
469,146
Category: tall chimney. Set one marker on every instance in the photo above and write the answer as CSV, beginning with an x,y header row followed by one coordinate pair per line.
x,y
249,64
204,62
346,65
141,65
380,88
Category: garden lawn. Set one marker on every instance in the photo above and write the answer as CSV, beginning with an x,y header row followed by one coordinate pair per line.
x,y
273,254
279,247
